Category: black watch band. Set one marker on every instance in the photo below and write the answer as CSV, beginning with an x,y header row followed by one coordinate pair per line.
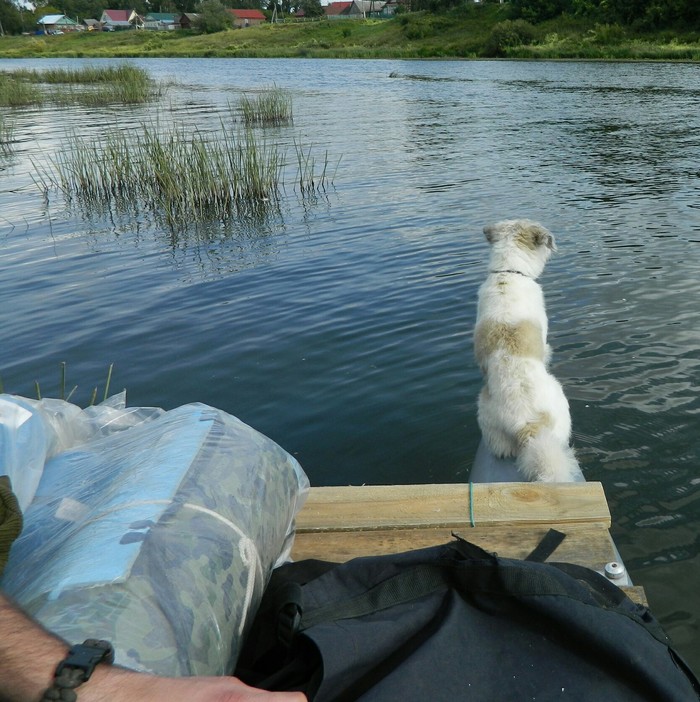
x,y
76,668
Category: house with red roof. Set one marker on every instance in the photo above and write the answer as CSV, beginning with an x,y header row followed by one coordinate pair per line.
x,y
112,20
337,10
355,9
247,18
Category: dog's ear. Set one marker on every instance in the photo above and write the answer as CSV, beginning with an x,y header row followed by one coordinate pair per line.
x,y
492,232
534,235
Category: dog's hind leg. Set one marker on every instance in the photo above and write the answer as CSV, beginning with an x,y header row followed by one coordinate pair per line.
x,y
544,458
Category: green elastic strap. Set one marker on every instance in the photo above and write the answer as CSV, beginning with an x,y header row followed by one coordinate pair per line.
x,y
10,519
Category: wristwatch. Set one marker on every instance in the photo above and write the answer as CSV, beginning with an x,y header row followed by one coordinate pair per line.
x,y
76,668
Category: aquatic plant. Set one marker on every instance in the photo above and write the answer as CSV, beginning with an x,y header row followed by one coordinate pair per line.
x,y
309,177
18,93
272,107
125,84
6,135
62,386
179,176
123,73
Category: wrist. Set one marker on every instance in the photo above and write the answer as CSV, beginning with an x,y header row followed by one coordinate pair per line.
x,y
77,668
114,684
28,655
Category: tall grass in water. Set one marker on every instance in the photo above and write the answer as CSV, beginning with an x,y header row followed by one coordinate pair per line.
x,y
179,177
272,107
17,93
309,177
6,135
88,86
94,96
123,73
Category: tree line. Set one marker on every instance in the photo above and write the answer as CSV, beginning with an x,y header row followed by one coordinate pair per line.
x,y
637,14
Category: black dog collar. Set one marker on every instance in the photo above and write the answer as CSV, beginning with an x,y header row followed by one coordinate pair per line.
x,y
525,275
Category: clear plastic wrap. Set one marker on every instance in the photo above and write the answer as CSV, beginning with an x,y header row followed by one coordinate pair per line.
x,y
159,538
32,431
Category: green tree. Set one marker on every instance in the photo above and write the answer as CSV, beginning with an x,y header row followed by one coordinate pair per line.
x,y
658,14
587,8
539,10
284,7
435,6
10,18
626,11
507,34
213,17
80,10
243,4
311,8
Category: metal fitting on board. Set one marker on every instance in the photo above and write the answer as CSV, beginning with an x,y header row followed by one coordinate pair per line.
x,y
615,570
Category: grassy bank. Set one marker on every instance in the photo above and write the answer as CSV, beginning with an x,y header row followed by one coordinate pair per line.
x,y
474,31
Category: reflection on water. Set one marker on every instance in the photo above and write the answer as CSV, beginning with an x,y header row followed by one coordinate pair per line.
x,y
340,325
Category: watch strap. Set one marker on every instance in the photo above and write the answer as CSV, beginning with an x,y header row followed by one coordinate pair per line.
x,y
76,668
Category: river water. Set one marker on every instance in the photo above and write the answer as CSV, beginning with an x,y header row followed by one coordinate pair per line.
x,y
341,326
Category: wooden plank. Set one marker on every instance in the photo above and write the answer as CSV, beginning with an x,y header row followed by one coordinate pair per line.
x,y
589,545
353,508
340,523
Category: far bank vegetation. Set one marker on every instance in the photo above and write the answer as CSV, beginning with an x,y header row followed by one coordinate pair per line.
x,y
587,29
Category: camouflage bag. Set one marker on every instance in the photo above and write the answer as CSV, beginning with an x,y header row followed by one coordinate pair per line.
x,y
160,538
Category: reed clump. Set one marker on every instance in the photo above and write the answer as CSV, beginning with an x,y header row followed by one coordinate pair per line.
x,y
6,135
272,107
309,177
92,86
179,176
15,92
122,73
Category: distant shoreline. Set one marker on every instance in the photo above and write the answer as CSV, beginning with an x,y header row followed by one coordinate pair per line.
x,y
483,32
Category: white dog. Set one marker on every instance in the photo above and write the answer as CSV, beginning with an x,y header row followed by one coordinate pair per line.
x,y
523,412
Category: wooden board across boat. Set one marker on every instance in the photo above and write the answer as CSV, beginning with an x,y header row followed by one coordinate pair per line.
x,y
339,523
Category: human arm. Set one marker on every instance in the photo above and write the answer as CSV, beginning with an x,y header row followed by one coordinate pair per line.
x,y
29,656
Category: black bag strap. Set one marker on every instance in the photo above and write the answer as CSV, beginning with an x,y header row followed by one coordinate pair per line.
x,y
546,547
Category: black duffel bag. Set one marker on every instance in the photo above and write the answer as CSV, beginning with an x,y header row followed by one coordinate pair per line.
x,y
454,622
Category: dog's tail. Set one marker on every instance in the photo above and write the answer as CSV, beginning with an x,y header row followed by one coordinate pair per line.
x,y
543,457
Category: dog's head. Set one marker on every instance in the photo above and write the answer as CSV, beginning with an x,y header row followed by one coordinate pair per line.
x,y
519,245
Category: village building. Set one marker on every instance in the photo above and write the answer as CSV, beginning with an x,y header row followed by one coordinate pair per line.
x,y
113,20
188,20
247,18
160,21
56,24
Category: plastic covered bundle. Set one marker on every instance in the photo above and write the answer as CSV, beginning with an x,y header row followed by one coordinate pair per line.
x,y
160,537
32,431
